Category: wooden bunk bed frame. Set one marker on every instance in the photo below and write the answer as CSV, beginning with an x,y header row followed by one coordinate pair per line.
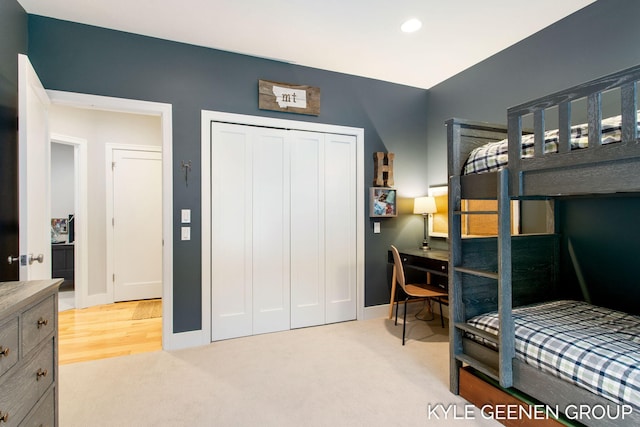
x,y
491,274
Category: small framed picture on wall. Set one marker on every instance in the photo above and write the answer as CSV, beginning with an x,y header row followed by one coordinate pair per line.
x,y
382,202
60,225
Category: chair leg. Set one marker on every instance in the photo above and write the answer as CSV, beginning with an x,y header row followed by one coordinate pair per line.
x,y
404,323
441,315
397,304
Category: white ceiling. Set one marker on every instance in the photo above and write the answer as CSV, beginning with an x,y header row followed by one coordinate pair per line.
x,y
359,37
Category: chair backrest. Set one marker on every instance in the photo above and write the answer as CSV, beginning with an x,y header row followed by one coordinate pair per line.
x,y
397,264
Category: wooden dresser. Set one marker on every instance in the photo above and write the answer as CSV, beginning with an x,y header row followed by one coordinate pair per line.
x,y
29,353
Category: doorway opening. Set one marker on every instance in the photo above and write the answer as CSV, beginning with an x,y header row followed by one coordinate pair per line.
x,y
69,208
93,293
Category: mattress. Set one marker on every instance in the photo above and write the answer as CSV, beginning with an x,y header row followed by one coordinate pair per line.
x,y
494,156
593,347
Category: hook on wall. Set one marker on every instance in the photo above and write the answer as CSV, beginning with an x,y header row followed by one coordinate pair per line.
x,y
186,167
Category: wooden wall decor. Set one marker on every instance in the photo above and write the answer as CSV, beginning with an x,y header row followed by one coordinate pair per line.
x,y
288,97
383,170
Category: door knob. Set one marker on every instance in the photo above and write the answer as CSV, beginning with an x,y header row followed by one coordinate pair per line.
x,y
13,259
39,258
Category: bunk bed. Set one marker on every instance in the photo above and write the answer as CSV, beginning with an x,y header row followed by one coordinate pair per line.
x,y
510,277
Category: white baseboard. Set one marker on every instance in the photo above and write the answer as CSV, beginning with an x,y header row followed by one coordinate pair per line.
x,y
180,340
376,311
96,299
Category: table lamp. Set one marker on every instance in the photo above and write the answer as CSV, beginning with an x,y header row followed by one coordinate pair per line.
x,y
425,206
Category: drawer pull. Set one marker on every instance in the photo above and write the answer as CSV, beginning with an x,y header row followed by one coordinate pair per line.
x,y
4,351
42,322
4,417
41,373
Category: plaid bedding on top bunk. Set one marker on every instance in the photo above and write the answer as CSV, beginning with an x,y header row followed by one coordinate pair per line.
x,y
593,347
494,155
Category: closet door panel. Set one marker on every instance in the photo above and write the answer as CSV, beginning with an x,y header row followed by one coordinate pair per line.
x,y
340,228
307,230
231,229
271,276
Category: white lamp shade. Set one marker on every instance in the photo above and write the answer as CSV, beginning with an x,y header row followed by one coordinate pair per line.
x,y
424,205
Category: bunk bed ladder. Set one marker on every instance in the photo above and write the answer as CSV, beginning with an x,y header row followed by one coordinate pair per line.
x,y
458,326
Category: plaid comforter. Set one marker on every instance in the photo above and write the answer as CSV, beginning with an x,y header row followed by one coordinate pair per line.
x,y
494,155
593,347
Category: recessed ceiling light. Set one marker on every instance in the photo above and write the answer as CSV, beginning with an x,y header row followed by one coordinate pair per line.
x,y
411,26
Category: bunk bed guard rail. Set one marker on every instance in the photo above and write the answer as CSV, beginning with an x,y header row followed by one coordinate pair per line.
x,y
595,169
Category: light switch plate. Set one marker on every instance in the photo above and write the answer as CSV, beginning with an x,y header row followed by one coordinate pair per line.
x,y
376,228
186,233
186,216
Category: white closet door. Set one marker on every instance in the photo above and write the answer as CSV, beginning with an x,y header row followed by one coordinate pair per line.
x,y
271,291
307,230
283,229
231,231
340,227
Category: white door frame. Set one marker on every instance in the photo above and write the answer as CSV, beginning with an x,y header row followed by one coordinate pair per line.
x,y
207,118
170,340
80,216
109,149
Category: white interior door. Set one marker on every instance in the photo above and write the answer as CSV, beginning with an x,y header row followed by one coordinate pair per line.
x,y
307,230
283,230
231,231
137,224
323,229
340,228
33,164
271,283
250,231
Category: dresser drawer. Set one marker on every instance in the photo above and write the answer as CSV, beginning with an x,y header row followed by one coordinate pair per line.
x,y
8,345
45,413
20,392
38,322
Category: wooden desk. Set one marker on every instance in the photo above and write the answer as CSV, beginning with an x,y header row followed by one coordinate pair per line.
x,y
432,261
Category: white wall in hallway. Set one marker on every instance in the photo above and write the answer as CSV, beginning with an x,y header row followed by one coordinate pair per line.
x,y
62,177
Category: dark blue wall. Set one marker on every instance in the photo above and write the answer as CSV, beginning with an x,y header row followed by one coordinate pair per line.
x,y
80,58
598,40
13,40
606,236
595,41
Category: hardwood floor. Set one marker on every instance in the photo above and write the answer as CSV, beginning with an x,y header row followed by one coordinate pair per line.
x,y
109,330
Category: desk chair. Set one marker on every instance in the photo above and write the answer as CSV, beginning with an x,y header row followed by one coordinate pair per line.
x,y
413,291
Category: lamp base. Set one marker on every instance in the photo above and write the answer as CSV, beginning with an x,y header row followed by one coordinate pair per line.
x,y
425,242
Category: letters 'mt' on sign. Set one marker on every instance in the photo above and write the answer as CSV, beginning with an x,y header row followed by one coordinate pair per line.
x,y
288,97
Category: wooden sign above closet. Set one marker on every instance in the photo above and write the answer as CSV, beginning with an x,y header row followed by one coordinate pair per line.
x,y
287,97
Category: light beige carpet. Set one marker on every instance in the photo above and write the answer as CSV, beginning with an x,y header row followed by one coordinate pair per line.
x,y
346,374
